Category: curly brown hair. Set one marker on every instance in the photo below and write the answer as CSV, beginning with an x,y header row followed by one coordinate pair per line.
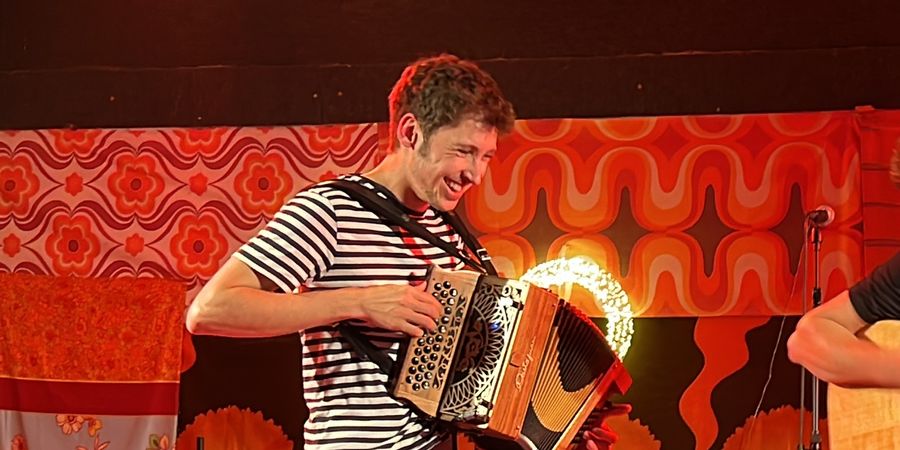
x,y
442,90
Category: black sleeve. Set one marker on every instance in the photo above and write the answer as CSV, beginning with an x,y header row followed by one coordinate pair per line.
x,y
877,297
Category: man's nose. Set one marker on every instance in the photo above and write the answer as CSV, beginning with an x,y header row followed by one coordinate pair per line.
x,y
475,172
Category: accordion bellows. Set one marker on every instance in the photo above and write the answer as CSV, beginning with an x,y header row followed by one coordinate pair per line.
x,y
509,360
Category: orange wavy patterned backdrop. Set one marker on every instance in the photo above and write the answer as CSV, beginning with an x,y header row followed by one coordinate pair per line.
x,y
655,182
695,215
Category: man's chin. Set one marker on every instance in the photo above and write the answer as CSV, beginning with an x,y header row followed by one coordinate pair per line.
x,y
445,205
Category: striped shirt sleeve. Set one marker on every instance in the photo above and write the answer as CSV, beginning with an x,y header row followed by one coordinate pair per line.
x,y
297,245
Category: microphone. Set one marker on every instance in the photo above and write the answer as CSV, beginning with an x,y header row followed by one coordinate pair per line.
x,y
821,216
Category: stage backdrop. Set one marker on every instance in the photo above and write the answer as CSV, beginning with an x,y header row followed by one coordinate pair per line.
x,y
699,218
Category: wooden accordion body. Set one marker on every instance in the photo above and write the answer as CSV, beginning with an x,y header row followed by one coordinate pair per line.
x,y
509,361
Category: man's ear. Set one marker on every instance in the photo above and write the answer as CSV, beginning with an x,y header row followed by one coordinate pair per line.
x,y
409,134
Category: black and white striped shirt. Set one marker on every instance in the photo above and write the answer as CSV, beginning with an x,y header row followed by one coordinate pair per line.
x,y
322,239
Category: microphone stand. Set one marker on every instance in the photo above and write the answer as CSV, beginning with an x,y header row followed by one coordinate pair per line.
x,y
814,234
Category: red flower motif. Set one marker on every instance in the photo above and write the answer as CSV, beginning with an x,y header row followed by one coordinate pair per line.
x,y
97,445
199,140
72,246
19,443
263,183
75,141
74,184
198,246
330,137
198,183
134,244
17,184
11,245
135,184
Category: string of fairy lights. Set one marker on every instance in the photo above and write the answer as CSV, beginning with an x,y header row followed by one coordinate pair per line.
x,y
607,292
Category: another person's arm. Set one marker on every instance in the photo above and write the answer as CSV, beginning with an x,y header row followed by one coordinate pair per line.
x,y
825,341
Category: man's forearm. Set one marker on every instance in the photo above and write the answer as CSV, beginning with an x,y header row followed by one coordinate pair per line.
x,y
250,312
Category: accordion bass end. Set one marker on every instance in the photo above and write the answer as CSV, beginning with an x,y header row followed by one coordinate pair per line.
x,y
509,360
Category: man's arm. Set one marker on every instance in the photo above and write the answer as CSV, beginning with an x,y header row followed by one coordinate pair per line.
x,y
825,342
235,304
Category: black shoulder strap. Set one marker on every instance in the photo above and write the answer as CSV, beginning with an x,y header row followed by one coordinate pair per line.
x,y
391,213
471,242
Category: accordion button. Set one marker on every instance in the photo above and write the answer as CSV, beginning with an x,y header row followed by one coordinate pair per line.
x,y
420,341
427,350
415,386
437,287
446,285
409,379
430,367
418,377
412,369
453,292
426,385
439,338
414,360
443,294
429,340
433,356
418,351
448,310
451,301
422,369
445,320
436,347
442,329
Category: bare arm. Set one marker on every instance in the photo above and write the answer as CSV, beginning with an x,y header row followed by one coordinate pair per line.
x,y
825,342
235,304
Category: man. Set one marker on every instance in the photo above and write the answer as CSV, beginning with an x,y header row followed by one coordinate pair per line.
x,y
325,259
825,340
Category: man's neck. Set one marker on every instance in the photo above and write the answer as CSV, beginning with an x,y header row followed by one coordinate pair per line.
x,y
390,174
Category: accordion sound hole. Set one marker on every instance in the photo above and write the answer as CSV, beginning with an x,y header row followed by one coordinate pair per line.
x,y
479,357
474,348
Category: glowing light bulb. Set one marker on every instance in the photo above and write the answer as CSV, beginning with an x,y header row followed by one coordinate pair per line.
x,y
607,292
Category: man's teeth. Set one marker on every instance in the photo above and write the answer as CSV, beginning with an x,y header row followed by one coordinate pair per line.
x,y
454,185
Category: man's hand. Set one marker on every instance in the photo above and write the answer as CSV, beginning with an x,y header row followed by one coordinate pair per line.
x,y
598,435
399,307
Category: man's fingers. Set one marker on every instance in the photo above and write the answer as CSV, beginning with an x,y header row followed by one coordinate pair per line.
x,y
604,434
614,409
411,329
427,304
420,320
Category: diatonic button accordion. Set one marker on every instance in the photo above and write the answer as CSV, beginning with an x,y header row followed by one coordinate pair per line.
x,y
509,360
